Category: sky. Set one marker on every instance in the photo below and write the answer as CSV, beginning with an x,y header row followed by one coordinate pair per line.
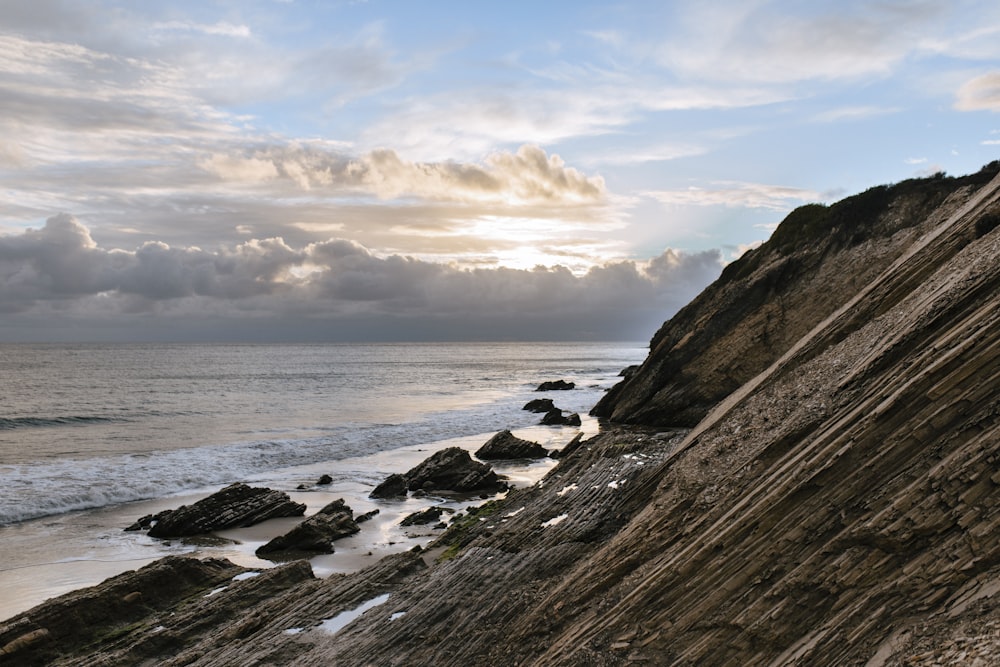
x,y
297,170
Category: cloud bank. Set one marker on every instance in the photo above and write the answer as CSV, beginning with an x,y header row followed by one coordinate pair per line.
x,y
265,289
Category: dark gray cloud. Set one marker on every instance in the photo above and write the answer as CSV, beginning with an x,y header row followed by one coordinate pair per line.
x,y
57,276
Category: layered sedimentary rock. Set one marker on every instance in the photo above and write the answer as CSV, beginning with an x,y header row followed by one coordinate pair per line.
x,y
315,534
839,507
237,505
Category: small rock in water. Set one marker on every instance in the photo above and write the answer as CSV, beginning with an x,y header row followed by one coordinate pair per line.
x,y
556,385
539,405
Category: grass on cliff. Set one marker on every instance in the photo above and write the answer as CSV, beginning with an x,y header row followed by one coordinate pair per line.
x,y
460,533
855,219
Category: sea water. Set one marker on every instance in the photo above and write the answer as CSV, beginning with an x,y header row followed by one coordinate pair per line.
x,y
94,435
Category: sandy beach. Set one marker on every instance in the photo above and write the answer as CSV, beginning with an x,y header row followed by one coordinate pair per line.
x,y
94,546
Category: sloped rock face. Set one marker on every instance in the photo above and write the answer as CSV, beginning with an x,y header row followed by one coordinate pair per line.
x,y
816,261
826,510
58,628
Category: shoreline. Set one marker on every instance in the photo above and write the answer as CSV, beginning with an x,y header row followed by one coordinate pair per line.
x,y
92,545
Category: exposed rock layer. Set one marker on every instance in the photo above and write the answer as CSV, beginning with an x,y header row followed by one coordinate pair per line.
x,y
315,534
839,507
237,505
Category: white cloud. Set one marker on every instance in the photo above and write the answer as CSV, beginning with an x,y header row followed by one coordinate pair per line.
x,y
773,44
854,113
220,28
749,195
980,94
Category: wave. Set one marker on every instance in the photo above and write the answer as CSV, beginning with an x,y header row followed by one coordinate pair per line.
x,y
35,490
11,423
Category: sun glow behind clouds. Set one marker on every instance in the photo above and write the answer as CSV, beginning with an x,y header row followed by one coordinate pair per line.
x,y
524,243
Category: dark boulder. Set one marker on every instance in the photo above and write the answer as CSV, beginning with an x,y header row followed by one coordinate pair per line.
x,y
324,480
315,534
506,445
539,405
235,506
453,469
557,418
556,385
361,518
424,517
394,486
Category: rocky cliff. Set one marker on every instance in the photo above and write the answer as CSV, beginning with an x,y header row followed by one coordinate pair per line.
x,y
832,499
817,260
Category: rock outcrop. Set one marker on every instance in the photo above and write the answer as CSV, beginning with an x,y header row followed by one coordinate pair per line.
x,y
453,469
237,505
450,470
314,535
815,262
393,486
841,506
506,445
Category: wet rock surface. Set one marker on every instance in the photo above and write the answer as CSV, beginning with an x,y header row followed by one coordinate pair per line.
x,y
316,534
237,505
556,385
394,486
539,405
453,469
557,418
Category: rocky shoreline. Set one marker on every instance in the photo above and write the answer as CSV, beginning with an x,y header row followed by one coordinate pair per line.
x,y
810,475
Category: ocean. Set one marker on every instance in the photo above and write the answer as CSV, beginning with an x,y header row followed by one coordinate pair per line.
x,y
93,436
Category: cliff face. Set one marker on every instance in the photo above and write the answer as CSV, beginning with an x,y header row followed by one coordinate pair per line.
x,y
817,260
839,507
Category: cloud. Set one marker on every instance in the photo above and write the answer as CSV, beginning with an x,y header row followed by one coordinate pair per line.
x,y
527,176
771,43
223,28
980,94
749,195
60,269
854,113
